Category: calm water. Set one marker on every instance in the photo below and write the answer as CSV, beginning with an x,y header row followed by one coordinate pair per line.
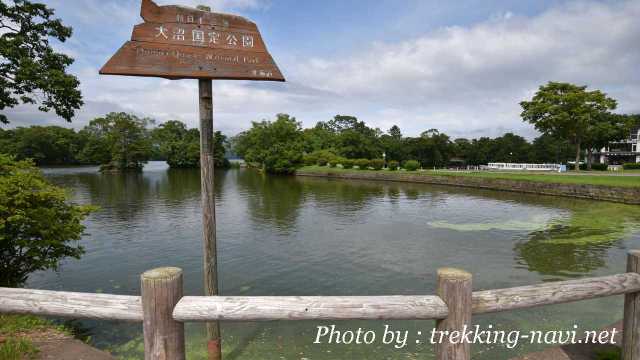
x,y
306,236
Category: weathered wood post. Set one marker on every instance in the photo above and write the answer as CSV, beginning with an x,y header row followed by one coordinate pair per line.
x,y
208,196
161,289
207,165
454,287
631,321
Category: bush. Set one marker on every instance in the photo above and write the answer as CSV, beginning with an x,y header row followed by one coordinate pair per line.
x,y
377,164
599,167
310,159
319,157
596,167
322,157
334,162
362,164
347,163
393,165
411,165
631,166
38,225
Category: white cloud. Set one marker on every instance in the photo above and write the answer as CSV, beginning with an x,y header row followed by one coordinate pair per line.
x,y
469,79
465,81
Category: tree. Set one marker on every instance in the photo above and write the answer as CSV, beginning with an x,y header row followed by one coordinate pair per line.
x,y
46,145
354,139
319,137
462,149
276,146
510,148
30,70
180,146
549,149
392,144
607,128
339,123
219,149
395,132
566,111
93,145
38,226
431,149
126,138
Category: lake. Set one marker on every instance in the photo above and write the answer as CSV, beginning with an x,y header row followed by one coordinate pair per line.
x,y
313,236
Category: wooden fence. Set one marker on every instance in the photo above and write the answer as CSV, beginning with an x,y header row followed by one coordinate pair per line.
x,y
163,309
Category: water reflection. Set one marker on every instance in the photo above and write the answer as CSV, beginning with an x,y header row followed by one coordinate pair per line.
x,y
125,194
559,261
274,199
578,243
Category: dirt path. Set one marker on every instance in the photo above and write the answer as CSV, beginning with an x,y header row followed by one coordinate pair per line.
x,y
69,349
52,343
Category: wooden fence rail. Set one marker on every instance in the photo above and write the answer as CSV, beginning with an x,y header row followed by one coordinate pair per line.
x,y
163,309
70,304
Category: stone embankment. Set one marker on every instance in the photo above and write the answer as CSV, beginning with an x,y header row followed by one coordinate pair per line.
x,y
627,195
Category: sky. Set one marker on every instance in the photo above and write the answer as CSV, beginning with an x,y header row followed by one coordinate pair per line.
x,y
458,66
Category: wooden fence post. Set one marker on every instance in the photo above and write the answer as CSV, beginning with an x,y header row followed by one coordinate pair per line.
x,y
454,287
631,325
163,337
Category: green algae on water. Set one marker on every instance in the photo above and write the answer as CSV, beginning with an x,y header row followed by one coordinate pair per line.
x,y
536,222
585,223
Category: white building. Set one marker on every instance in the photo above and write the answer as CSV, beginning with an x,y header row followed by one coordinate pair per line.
x,y
623,151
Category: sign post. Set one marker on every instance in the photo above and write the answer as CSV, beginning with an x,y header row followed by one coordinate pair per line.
x,y
176,42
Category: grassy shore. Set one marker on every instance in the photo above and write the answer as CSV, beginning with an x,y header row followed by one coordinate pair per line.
x,y
580,178
17,333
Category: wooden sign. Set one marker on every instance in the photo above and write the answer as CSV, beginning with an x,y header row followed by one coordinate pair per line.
x,y
178,42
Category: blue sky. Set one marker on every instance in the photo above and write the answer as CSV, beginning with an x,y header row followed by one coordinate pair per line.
x,y
459,66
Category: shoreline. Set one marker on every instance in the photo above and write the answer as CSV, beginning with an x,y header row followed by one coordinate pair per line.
x,y
618,194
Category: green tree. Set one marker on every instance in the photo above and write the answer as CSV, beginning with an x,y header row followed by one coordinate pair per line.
x,y
510,148
354,139
395,132
38,226
6,141
179,146
31,71
608,127
566,111
462,149
392,144
125,136
46,145
340,123
319,137
549,149
276,146
94,146
219,150
431,149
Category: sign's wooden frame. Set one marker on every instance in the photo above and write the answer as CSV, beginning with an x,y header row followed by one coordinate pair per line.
x,y
178,42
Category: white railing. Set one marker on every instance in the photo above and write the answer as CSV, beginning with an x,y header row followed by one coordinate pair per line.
x,y
527,167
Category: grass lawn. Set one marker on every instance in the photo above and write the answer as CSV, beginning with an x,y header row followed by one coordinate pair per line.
x,y
583,177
